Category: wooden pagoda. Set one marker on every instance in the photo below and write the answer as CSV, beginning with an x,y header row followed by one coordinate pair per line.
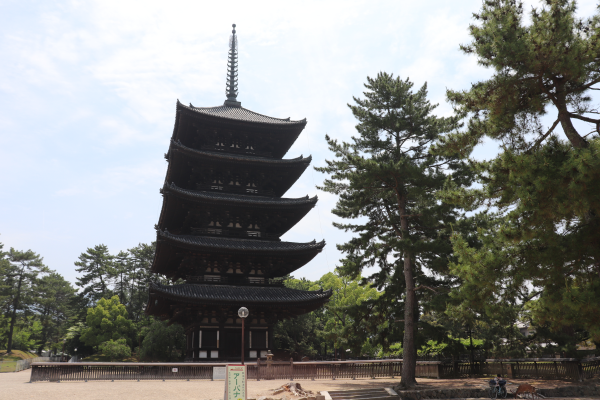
x,y
220,226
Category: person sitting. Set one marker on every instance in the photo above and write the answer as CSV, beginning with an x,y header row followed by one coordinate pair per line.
x,y
499,380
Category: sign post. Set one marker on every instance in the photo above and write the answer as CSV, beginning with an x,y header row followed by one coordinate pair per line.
x,y
235,382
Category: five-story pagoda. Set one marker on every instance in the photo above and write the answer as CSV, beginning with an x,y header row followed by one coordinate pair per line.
x,y
220,224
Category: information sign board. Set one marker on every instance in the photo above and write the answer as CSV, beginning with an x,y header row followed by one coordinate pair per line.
x,y
218,373
235,382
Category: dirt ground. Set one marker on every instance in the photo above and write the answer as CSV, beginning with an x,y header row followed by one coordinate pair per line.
x,y
16,385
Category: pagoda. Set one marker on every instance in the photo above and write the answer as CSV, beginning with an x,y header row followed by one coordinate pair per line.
x,y
220,226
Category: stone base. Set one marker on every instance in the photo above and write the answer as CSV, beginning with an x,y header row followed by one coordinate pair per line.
x,y
565,391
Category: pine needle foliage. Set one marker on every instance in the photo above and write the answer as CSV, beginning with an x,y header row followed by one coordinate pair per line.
x,y
543,252
386,181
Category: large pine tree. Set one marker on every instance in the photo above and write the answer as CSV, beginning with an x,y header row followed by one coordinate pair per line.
x,y
21,273
544,250
386,181
96,267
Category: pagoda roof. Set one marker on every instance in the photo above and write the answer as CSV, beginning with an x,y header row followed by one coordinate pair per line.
x,y
240,114
244,295
209,243
277,258
237,198
239,158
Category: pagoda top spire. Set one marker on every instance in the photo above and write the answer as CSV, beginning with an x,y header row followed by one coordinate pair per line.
x,y
232,72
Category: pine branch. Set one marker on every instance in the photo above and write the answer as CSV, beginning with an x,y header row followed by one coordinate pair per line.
x,y
540,140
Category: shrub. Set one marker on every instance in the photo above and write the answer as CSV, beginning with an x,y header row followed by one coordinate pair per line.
x,y
115,349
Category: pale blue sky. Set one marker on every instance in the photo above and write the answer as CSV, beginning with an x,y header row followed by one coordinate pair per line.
x,y
88,92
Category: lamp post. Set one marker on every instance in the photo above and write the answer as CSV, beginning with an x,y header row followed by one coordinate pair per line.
x,y
243,313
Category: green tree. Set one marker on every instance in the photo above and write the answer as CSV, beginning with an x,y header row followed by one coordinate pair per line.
x,y
53,305
108,320
543,248
297,335
163,341
4,280
115,349
74,344
120,274
138,278
347,314
386,180
96,269
20,275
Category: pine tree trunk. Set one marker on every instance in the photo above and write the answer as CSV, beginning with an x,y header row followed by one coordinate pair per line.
x,y
409,353
565,121
13,318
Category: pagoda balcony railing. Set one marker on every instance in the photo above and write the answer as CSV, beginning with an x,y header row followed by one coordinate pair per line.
x,y
236,150
236,280
236,189
234,233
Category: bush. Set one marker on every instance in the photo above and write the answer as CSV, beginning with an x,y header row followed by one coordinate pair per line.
x,y
115,349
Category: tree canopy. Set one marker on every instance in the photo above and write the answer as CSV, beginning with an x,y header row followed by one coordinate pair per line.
x,y
386,180
20,274
542,250
108,320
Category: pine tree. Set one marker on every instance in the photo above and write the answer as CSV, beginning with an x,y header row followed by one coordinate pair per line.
x,y
543,252
387,180
53,304
96,267
139,277
21,273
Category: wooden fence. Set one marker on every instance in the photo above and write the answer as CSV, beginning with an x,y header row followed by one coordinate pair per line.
x,y
525,368
56,372
562,368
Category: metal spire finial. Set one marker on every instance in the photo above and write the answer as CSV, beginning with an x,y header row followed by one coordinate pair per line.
x,y
232,73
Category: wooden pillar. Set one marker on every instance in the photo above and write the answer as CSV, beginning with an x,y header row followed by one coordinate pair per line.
x,y
197,343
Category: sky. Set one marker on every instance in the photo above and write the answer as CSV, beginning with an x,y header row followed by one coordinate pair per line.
x,y
88,92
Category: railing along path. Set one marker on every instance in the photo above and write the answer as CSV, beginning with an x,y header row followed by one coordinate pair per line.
x,y
560,368
83,371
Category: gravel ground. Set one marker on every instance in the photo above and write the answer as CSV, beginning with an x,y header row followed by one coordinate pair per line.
x,y
15,385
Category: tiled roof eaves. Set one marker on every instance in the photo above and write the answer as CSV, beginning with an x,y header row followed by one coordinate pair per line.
x,y
238,198
234,294
241,245
240,158
240,114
